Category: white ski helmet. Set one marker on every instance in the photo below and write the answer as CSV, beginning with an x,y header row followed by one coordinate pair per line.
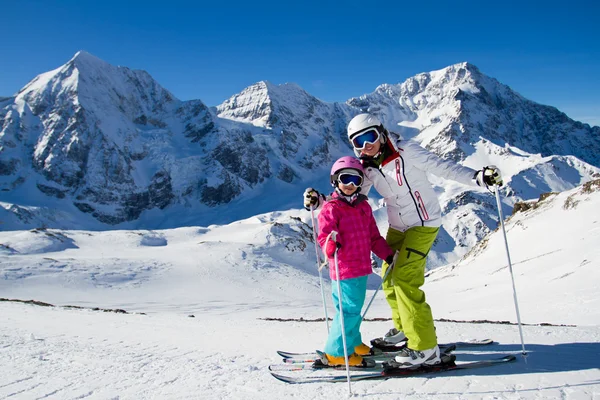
x,y
361,123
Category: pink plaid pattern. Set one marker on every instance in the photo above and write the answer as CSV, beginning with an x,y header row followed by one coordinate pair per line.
x,y
357,233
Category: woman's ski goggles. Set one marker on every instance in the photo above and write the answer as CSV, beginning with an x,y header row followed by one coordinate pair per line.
x,y
370,136
349,179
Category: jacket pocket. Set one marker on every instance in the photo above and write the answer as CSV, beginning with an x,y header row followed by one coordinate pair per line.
x,y
410,251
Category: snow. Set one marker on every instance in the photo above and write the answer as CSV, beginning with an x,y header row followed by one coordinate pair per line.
x,y
198,299
79,353
40,82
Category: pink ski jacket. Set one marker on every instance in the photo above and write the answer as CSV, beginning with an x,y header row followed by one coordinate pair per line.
x,y
357,233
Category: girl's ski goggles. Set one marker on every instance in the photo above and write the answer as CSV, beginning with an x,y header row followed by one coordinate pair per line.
x,y
370,136
349,179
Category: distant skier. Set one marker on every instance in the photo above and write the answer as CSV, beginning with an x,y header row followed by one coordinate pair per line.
x,y
348,213
398,170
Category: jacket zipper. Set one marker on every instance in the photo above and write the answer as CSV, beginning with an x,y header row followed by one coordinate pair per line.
x,y
412,195
422,205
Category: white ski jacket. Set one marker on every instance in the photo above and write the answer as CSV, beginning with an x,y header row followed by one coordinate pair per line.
x,y
401,180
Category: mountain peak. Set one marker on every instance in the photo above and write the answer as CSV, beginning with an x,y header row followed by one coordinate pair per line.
x,y
461,71
82,55
83,60
464,65
62,76
270,88
257,102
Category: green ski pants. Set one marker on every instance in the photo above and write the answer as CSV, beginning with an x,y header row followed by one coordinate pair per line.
x,y
410,312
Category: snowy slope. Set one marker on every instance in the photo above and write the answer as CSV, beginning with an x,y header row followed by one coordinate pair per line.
x,y
231,277
554,251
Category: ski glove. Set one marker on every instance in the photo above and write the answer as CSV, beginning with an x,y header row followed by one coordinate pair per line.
x,y
331,247
389,259
489,176
312,199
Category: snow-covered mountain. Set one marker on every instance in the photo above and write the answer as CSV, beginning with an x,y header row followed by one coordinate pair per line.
x,y
103,140
94,146
454,108
110,143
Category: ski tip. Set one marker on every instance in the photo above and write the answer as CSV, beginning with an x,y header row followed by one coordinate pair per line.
x,y
282,378
277,376
285,354
481,341
476,342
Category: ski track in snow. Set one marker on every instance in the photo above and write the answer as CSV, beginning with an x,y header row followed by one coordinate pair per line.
x,y
57,353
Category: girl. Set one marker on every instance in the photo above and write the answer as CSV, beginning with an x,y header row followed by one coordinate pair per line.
x,y
349,214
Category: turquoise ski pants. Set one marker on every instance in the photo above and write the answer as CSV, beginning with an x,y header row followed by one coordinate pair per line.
x,y
353,297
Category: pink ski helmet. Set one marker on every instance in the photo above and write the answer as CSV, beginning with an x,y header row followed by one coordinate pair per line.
x,y
346,163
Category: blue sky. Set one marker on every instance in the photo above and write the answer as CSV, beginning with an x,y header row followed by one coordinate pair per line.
x,y
547,51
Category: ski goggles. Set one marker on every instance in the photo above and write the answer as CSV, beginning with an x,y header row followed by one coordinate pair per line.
x,y
370,136
350,179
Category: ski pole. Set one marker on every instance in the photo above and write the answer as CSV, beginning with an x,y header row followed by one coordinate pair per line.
x,y
312,216
387,272
512,277
333,236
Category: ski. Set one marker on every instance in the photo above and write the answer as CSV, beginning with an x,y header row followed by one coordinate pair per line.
x,y
376,366
380,344
474,342
293,358
395,372
313,367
